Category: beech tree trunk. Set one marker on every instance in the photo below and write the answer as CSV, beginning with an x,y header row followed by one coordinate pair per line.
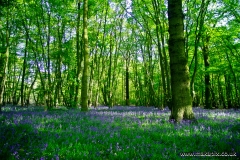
x,y
181,105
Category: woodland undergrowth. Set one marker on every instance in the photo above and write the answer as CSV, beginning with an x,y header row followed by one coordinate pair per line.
x,y
117,133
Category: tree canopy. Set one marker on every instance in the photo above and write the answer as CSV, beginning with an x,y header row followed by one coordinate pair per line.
x,y
128,49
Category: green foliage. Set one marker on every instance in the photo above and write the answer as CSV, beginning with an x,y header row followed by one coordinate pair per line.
x,y
20,138
2,50
7,3
128,31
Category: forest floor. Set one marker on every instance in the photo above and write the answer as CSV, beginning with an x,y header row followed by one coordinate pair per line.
x,y
117,133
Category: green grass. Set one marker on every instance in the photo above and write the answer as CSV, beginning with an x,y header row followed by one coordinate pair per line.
x,y
118,133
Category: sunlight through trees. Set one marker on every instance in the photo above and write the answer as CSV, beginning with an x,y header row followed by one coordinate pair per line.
x,y
48,60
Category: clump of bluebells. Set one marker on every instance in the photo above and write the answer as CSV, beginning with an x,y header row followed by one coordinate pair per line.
x,y
116,133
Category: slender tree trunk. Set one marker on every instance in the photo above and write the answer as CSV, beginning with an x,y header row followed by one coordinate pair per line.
x,y
165,97
127,83
116,70
4,57
84,89
24,72
27,99
109,78
58,77
208,97
41,25
42,77
180,80
49,83
213,92
168,94
228,91
236,97
79,57
90,86
16,95
162,53
23,93
198,34
220,92
3,74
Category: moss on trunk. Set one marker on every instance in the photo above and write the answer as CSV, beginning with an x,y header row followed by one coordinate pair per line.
x,y
180,81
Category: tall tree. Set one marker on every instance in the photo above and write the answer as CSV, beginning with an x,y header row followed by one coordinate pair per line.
x,y
181,105
205,52
198,34
84,90
161,51
79,54
4,53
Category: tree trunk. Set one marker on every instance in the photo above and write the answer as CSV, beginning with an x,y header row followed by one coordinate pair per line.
x,y
109,78
49,82
127,83
208,97
162,53
198,33
220,92
236,97
228,91
24,73
181,106
4,57
58,88
3,74
79,56
84,89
